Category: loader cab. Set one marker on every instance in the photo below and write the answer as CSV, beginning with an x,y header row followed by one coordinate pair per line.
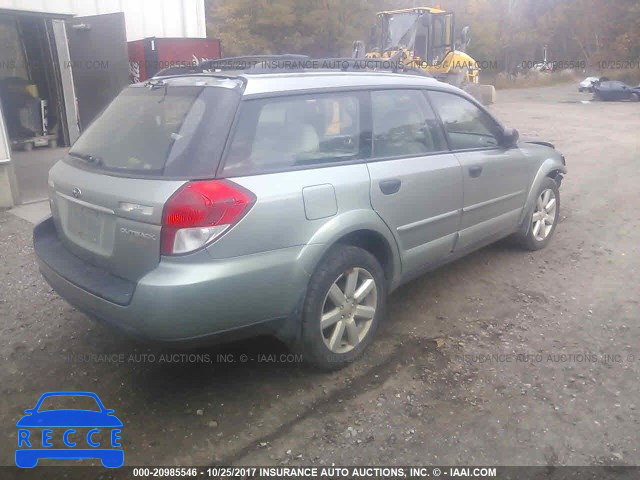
x,y
426,33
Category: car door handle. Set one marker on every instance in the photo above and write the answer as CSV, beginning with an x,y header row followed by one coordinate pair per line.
x,y
475,171
391,186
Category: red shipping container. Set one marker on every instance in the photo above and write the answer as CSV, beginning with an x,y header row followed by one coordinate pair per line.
x,y
150,55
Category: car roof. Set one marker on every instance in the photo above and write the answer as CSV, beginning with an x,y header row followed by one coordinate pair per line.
x,y
278,82
266,83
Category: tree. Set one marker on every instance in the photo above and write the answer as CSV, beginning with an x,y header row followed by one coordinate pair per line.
x,y
315,27
509,32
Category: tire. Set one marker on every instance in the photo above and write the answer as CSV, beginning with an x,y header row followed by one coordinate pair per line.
x,y
52,143
533,238
635,97
351,326
27,147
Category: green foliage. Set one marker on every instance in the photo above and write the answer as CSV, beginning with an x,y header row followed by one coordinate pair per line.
x,y
315,27
508,32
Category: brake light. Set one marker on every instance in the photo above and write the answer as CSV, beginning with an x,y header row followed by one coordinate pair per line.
x,y
200,212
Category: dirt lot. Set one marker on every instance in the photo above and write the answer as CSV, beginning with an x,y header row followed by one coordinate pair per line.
x,y
503,358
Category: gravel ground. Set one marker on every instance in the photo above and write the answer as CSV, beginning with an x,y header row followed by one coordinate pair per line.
x,y
502,358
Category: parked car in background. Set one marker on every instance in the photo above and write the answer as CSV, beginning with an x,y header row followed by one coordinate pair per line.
x,y
614,90
284,203
586,85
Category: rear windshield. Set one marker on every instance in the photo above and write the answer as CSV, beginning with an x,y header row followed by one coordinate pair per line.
x,y
164,130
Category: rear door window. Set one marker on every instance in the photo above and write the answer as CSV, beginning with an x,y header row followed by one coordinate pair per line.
x,y
166,131
277,134
404,125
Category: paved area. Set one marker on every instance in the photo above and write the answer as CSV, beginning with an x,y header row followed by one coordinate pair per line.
x,y
32,171
502,358
33,212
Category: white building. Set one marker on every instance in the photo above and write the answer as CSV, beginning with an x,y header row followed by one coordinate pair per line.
x,y
71,58
143,18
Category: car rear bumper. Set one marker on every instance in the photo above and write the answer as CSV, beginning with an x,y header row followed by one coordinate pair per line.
x,y
181,301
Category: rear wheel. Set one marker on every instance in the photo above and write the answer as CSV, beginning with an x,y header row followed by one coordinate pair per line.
x,y
635,97
544,218
343,307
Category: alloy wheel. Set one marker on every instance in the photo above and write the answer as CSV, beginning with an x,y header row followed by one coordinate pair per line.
x,y
348,310
544,215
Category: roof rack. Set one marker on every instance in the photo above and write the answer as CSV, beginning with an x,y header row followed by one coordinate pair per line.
x,y
291,63
341,64
226,64
247,62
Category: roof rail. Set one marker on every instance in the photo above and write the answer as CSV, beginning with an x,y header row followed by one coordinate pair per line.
x,y
342,64
292,63
178,70
225,64
247,61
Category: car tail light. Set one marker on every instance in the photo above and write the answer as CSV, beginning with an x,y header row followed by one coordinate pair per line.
x,y
200,212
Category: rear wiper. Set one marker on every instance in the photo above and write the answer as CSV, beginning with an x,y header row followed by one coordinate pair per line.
x,y
87,157
154,84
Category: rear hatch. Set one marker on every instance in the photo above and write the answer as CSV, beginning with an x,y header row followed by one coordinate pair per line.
x,y
108,194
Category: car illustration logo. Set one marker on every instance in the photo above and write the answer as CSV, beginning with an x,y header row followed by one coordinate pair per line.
x,y
77,433
76,192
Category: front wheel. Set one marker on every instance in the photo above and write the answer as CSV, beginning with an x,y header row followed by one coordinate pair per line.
x,y
344,305
542,222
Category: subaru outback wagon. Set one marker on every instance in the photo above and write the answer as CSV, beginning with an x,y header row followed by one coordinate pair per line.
x,y
291,204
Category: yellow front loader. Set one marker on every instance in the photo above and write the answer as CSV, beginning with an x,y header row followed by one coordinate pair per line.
x,y
423,37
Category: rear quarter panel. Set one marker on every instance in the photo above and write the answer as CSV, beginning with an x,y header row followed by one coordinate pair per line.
x,y
281,215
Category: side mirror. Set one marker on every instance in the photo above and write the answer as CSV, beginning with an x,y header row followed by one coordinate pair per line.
x,y
465,38
358,49
464,35
510,137
373,36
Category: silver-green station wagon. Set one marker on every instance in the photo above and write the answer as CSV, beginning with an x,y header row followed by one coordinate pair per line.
x,y
207,206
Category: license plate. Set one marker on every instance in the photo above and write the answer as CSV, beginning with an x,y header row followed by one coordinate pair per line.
x,y
85,223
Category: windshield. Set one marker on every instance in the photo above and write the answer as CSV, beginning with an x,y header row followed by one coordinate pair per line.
x,y
441,37
399,30
159,130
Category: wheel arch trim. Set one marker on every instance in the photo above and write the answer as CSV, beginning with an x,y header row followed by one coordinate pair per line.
x,y
340,227
546,169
